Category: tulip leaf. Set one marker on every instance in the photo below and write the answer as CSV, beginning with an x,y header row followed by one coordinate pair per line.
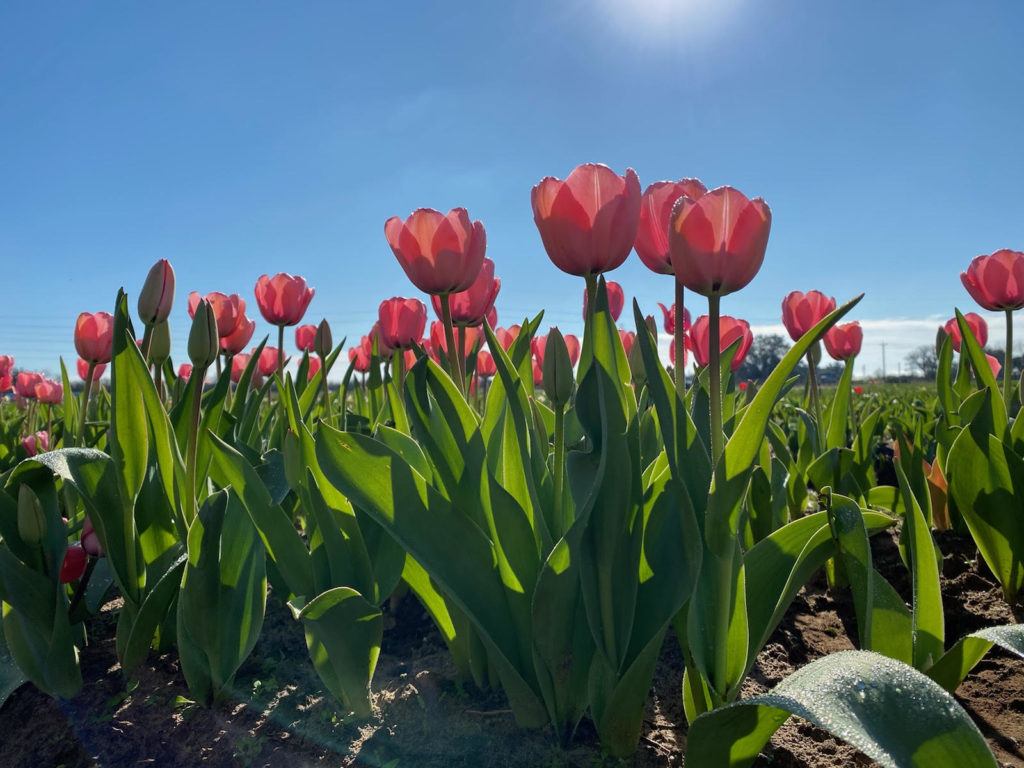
x,y
127,414
151,615
950,670
888,710
838,412
983,372
11,676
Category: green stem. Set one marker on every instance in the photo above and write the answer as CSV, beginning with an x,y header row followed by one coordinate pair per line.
x,y
191,504
815,397
715,379
326,392
85,403
462,356
280,354
449,340
399,368
723,612
1008,362
679,371
147,341
559,468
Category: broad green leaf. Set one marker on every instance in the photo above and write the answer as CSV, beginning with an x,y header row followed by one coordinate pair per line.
x,y
888,710
951,669
152,614
839,409
11,676
983,373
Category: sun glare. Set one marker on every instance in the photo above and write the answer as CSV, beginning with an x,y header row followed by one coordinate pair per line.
x,y
659,22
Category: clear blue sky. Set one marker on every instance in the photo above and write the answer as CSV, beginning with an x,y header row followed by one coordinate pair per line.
x,y
237,138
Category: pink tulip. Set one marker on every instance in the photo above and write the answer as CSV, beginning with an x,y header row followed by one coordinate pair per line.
x,y
996,281
268,359
314,366
238,365
94,336
627,338
977,325
687,347
729,329
471,306
49,392
402,322
802,311
485,366
616,300
37,443
239,338
437,339
25,384
283,298
440,253
670,318
83,370
185,371
90,541
843,342
506,336
305,338
229,310
656,206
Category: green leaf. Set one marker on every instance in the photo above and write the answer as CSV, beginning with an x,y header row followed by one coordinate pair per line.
x,y
11,676
888,710
151,615
951,669
839,409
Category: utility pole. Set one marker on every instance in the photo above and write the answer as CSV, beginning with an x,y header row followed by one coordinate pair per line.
x,y
883,361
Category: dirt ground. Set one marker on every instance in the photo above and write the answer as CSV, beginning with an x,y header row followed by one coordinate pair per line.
x,y
279,715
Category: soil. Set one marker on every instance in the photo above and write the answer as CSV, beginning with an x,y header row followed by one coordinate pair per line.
x,y
279,715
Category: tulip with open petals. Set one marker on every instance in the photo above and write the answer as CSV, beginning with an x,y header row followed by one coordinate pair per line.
x,y
977,325
229,310
6,367
485,367
25,384
402,322
440,253
616,300
305,338
439,345
314,366
718,240
94,336
802,311
49,392
83,370
589,221
670,318
843,342
283,298
239,338
656,206
730,329
36,443
238,365
471,306
996,281
687,347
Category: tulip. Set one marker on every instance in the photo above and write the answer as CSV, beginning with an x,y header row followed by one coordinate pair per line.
x,y
977,325
323,340
492,317
31,518
485,367
90,541
94,336
670,318
843,342
438,342
83,370
305,338
994,364
506,336
238,365
283,298
802,311
539,343
73,565
616,300
239,338
656,206
314,366
471,306
402,322
743,386
858,390
627,338
687,347
36,443
203,340
440,253
730,330
538,374
268,361
184,371
383,350
361,355
589,221
996,281
229,310
157,294
6,367
5,383
49,392
25,384
718,240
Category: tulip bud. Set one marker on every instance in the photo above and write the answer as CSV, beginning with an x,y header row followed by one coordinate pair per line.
x,y
323,343
160,343
157,294
940,339
203,341
90,541
31,520
558,379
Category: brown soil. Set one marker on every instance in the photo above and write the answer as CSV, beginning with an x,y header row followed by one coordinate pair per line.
x,y
278,714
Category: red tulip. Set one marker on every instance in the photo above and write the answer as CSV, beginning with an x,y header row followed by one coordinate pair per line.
x,y
659,198
977,325
616,300
229,310
383,350
283,298
73,565
506,336
589,221
239,338
471,306
238,365
83,370
314,366
843,342
996,281
687,347
37,443
305,338
185,371
670,318
361,355
437,340
538,374
802,311
402,322
439,253
485,366
729,329
25,384
994,364
268,359
90,541
94,336
717,241
49,392
743,385
858,390
627,338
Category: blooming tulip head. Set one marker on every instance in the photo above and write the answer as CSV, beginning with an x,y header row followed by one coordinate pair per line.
x,y
439,253
267,361
305,338
858,390
656,206
438,344
802,311
229,310
94,336
25,384
402,322
843,342
283,298
238,365
49,392
996,281
670,318
239,338
589,221
314,366
485,367
36,443
506,336
185,371
729,330
616,300
83,370
157,294
717,241
471,306
361,355
977,325
6,367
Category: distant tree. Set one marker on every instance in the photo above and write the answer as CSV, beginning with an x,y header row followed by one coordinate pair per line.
x,y
765,353
925,360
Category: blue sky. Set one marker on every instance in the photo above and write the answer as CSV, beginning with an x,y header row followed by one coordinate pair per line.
x,y
240,138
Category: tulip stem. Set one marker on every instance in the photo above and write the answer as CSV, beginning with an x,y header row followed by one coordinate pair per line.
x,y
1008,363
326,392
679,370
191,504
280,355
715,379
147,341
559,469
462,354
85,403
815,398
399,373
449,338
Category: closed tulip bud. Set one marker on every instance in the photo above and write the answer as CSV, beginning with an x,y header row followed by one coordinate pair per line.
x,y
203,341
558,379
323,342
637,371
31,520
73,566
157,294
160,343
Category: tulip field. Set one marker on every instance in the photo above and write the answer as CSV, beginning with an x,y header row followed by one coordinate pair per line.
x,y
611,552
